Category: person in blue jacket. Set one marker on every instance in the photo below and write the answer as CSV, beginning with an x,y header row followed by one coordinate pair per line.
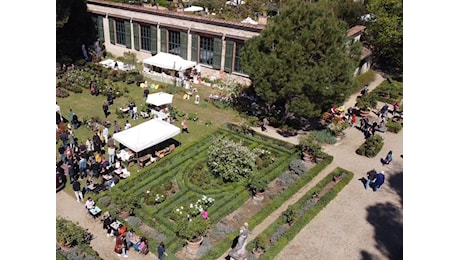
x,y
379,180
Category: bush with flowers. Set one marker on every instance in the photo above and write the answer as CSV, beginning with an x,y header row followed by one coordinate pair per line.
x,y
153,197
191,225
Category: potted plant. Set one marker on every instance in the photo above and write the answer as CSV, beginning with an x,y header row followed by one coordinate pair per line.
x,y
337,128
290,215
310,148
365,104
258,185
192,230
125,203
260,244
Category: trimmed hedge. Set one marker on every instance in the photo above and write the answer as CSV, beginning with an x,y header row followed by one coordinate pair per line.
x,y
371,147
177,168
220,248
305,218
393,126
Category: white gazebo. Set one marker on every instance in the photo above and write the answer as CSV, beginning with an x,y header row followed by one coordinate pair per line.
x,y
159,99
163,66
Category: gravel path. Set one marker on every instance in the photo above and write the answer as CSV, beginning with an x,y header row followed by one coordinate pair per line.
x,y
357,224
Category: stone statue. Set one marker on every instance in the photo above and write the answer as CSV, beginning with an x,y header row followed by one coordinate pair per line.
x,y
239,252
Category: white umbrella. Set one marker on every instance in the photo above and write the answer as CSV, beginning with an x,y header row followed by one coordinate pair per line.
x,y
249,20
193,8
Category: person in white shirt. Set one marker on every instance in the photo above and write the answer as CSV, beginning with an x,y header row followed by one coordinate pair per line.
x,y
105,134
127,125
111,152
135,115
89,203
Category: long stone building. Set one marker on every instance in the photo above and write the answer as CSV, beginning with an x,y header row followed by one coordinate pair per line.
x,y
213,43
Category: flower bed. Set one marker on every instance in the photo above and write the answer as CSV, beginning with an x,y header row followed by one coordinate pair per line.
x,y
180,169
299,214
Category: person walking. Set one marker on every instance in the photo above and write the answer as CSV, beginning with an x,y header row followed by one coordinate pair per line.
x,y
105,134
77,189
379,180
388,158
161,251
105,108
184,126
353,119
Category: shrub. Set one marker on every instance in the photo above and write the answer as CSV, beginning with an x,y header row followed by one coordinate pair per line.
x,y
257,184
365,78
366,102
324,136
290,215
232,161
389,91
134,221
298,167
105,201
393,126
69,233
371,147
193,228
192,116
311,146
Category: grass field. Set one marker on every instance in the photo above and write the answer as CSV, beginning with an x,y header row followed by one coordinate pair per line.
x,y
87,106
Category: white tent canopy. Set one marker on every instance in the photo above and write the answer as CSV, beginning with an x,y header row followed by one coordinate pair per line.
x,y
249,20
159,99
169,61
146,135
193,8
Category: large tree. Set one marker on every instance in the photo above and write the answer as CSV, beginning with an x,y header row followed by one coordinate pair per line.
x,y
301,61
74,27
386,33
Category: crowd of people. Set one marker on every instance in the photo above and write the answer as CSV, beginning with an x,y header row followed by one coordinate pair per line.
x,y
126,239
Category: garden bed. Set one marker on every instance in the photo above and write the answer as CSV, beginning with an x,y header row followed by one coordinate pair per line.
x,y
179,169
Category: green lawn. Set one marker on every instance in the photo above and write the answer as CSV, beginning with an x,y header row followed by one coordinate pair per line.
x,y
87,106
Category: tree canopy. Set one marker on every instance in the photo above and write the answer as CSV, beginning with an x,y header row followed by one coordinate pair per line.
x,y
74,27
301,61
386,33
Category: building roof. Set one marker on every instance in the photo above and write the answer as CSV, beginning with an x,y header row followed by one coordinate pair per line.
x,y
355,30
203,19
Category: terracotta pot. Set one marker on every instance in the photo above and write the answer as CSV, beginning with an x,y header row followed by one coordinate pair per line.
x,y
63,246
194,246
364,113
257,252
259,196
